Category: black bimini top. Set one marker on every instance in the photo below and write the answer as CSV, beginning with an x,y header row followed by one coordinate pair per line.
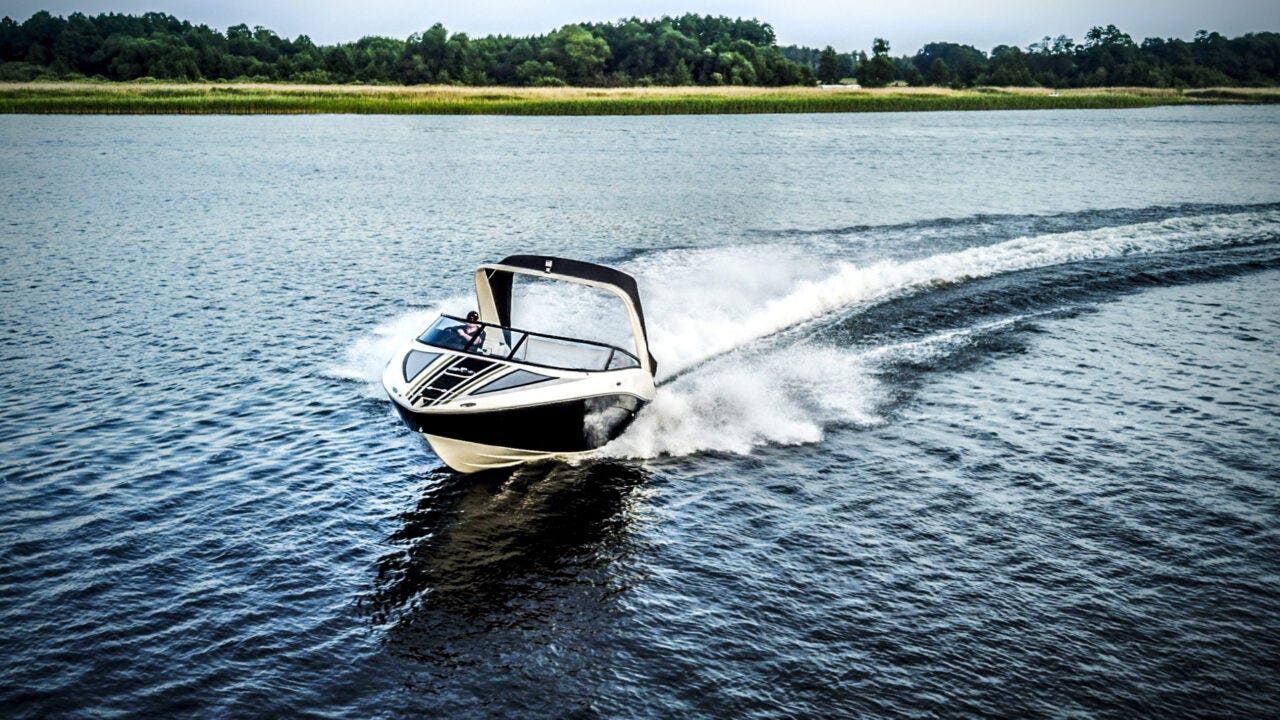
x,y
500,280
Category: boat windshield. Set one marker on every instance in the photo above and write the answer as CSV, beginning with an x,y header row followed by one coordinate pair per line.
x,y
527,347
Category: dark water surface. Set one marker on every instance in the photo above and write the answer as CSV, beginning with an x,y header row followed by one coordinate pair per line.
x,y
962,415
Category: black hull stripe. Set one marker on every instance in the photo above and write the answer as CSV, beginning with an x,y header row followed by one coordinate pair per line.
x,y
561,427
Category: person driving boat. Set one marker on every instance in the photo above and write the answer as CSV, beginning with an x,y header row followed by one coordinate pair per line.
x,y
473,332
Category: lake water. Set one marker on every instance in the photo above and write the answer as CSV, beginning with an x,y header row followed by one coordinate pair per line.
x,y
961,415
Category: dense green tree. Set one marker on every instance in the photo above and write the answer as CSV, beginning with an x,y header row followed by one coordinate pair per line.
x,y
965,62
848,65
75,45
829,66
533,72
578,53
10,39
633,49
340,63
939,73
1110,57
674,53
1008,67
802,62
907,72
1052,60
425,57
680,75
376,58
879,70
39,34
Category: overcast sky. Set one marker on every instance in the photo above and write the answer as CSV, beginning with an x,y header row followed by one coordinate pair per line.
x,y
907,24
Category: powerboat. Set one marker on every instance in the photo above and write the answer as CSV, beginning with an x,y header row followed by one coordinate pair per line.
x,y
486,394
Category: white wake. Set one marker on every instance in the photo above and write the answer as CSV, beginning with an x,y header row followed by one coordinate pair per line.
x,y
707,310
704,303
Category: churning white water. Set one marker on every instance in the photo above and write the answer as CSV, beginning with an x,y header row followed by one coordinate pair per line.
x,y
732,379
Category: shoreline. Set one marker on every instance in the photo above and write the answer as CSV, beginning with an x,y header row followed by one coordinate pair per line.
x,y
154,98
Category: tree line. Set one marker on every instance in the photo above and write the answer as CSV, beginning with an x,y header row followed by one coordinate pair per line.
x,y
687,50
1107,57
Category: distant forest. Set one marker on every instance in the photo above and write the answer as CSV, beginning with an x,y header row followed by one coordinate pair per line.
x,y
686,50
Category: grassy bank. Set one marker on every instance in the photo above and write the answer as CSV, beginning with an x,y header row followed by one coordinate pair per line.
x,y
156,98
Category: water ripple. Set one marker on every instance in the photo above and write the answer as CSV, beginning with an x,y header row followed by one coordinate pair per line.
x,y
943,432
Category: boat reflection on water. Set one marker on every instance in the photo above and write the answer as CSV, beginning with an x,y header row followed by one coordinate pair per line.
x,y
501,549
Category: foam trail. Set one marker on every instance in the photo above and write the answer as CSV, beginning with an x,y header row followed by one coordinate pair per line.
x,y
783,397
702,306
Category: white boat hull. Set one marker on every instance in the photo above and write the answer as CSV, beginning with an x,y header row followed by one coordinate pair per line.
x,y
469,457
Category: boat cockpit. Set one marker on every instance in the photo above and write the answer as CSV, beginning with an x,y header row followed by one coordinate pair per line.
x,y
526,347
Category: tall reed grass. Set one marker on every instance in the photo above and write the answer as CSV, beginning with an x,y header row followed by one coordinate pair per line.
x,y
128,98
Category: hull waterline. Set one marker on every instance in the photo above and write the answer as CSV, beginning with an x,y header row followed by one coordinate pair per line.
x,y
472,441
467,457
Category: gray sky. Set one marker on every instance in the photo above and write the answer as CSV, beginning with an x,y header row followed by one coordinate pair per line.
x,y
907,24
